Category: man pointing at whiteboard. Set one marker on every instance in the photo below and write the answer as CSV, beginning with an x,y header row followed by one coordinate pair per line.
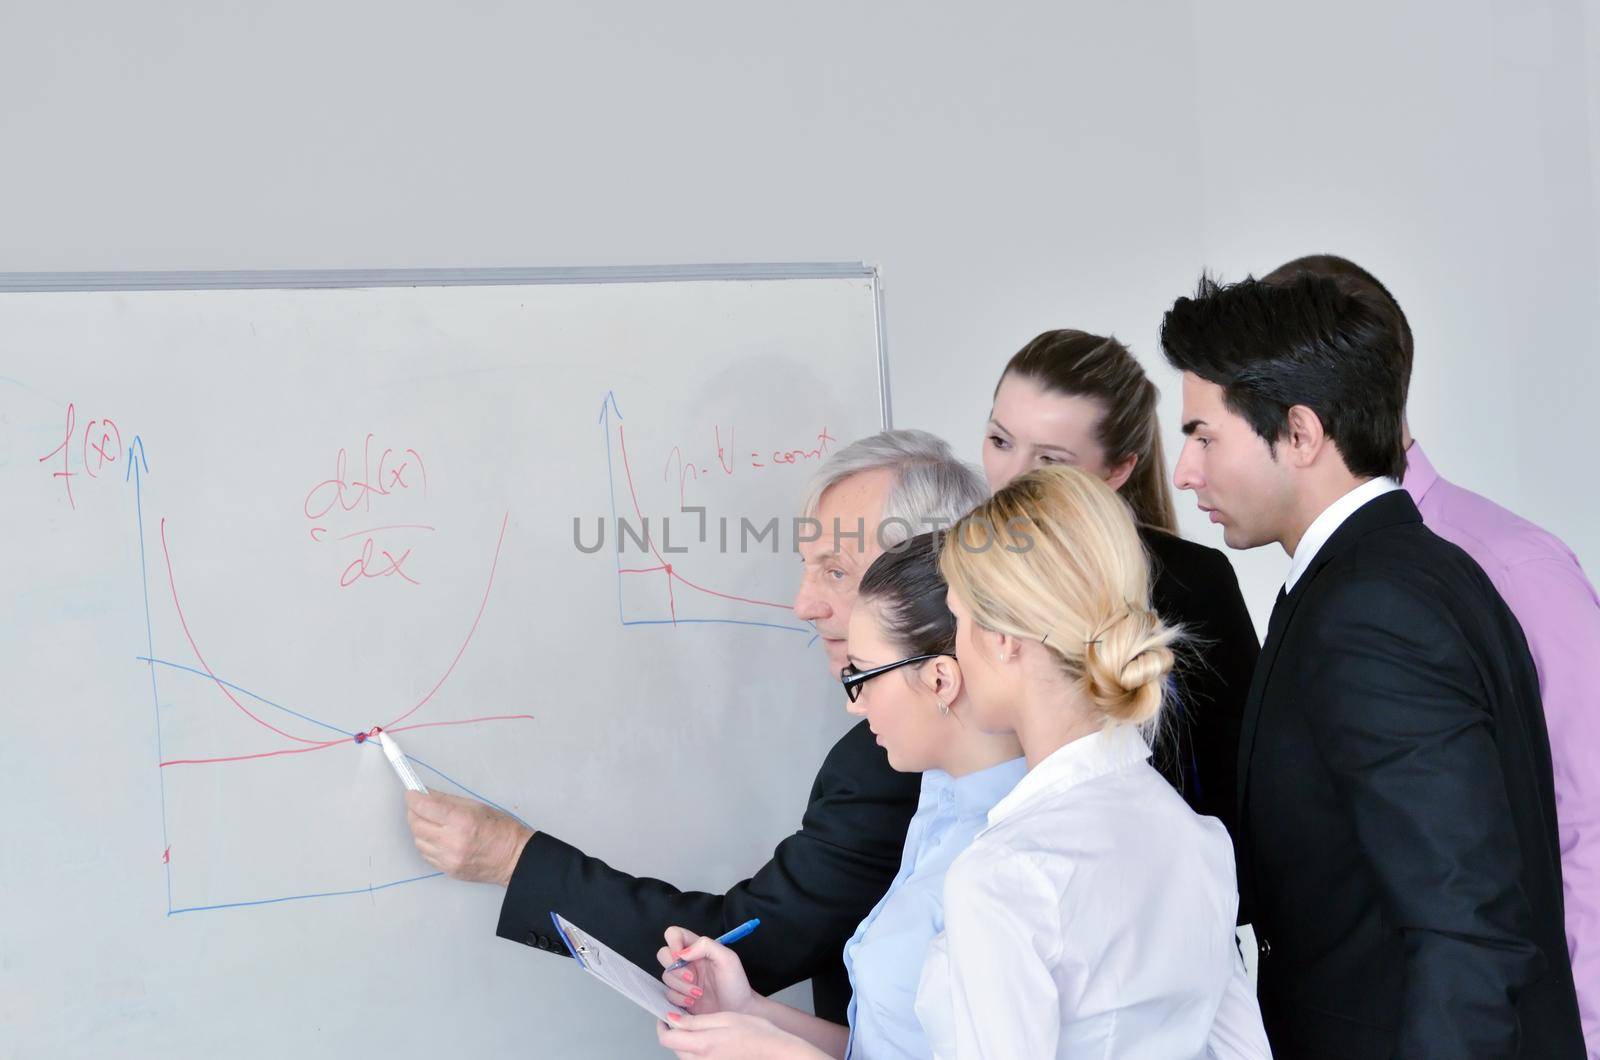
x,y
823,879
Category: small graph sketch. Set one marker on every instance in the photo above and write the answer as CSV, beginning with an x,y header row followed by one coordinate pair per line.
x,y
679,594
284,729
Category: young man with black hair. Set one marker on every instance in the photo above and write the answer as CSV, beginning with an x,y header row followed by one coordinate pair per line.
x,y
1544,585
1397,831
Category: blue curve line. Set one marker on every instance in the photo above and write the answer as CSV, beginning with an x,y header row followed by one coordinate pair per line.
x,y
369,889
307,717
149,645
469,791
24,386
709,622
246,691
321,894
611,489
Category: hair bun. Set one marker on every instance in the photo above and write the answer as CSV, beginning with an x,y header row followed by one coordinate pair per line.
x,y
1125,663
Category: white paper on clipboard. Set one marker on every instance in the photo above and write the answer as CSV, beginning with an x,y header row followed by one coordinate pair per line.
x,y
615,970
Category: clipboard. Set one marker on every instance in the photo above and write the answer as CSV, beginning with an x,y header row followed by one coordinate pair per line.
x,y
615,970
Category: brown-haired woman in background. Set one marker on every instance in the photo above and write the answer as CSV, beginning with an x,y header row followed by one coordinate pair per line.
x,y
1069,397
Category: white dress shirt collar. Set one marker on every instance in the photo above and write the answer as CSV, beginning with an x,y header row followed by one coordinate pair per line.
x,y
1332,517
1065,934
1114,747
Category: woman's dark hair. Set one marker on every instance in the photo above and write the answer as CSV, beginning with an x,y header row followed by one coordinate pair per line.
x,y
907,588
1303,341
1078,364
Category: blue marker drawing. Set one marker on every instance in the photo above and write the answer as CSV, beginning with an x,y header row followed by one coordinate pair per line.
x,y
608,406
138,467
207,678
610,414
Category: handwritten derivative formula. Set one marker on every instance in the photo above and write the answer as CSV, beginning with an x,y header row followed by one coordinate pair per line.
x,y
369,491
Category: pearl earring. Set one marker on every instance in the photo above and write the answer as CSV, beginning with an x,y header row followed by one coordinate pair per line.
x,y
944,708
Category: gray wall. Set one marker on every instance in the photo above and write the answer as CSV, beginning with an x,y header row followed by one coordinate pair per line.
x,y
1011,167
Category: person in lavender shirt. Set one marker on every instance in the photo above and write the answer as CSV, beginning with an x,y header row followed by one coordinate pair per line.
x,y
1544,586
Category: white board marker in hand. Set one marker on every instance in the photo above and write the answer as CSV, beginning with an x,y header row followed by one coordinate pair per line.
x,y
402,768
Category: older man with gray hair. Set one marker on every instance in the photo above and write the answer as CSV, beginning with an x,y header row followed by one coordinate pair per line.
x,y
823,879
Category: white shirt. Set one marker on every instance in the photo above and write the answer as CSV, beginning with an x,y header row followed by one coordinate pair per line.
x,y
1094,916
1332,517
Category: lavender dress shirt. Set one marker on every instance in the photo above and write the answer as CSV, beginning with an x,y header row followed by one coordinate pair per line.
x,y
1541,581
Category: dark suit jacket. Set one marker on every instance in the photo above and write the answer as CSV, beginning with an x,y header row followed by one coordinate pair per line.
x,y
1397,828
1198,748
820,884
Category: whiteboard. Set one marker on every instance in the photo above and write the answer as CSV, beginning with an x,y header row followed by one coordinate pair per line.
x,y
246,518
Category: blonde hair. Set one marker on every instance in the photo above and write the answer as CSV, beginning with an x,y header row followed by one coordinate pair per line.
x,y
1073,575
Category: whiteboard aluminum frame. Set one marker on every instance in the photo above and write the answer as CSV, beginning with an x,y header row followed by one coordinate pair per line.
x,y
295,279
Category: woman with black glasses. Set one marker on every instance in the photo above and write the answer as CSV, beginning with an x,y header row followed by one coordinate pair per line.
x,y
903,678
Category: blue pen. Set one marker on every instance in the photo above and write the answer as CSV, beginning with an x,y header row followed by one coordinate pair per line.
x,y
727,940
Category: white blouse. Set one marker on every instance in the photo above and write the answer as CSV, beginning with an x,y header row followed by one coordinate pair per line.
x,y
1094,916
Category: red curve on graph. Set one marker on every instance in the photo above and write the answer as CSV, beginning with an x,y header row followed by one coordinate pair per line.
x,y
493,564
184,622
318,745
341,740
669,569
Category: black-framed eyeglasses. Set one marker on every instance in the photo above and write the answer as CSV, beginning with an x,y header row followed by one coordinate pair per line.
x,y
853,679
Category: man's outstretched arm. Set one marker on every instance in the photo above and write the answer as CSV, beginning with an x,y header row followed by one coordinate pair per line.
x,y
819,884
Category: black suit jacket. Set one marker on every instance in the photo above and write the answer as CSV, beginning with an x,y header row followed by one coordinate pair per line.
x,y
820,884
1198,747
1397,827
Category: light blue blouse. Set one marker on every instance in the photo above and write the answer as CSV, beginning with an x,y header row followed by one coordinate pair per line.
x,y
884,957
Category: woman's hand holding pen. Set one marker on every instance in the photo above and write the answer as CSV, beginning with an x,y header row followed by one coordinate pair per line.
x,y
714,980
727,1023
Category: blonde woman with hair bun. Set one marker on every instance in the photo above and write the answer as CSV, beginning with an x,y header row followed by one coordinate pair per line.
x,y
1094,915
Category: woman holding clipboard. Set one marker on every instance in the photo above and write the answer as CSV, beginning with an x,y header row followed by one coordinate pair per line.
x,y
903,677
